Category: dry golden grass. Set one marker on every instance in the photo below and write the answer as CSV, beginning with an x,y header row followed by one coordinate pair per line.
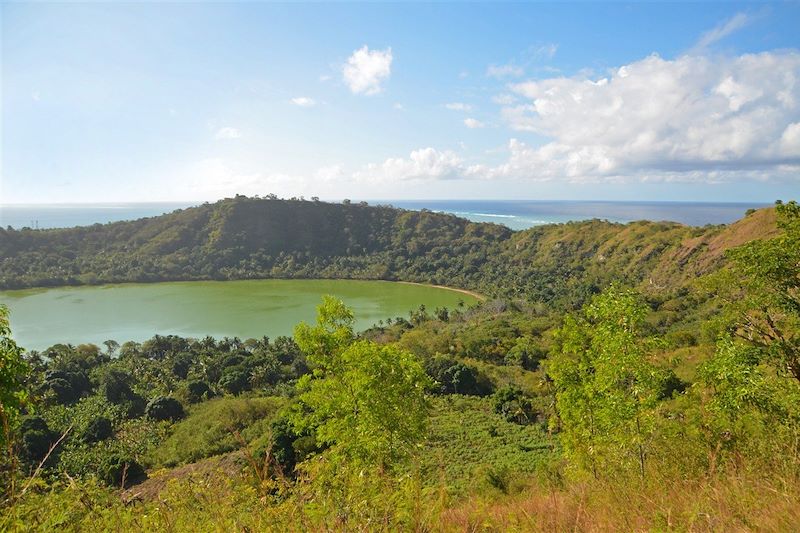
x,y
730,503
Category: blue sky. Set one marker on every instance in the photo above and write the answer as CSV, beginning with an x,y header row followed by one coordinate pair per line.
x,y
146,102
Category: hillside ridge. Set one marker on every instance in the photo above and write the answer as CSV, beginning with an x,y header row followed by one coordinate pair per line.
x,y
245,238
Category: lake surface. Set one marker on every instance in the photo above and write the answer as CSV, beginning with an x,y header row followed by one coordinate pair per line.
x,y
516,214
245,309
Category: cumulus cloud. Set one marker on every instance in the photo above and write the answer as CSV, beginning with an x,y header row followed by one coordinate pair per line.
x,y
304,101
458,106
690,114
228,133
366,70
689,119
422,164
472,123
504,71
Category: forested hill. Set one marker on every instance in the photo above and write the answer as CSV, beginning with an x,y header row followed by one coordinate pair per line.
x,y
243,237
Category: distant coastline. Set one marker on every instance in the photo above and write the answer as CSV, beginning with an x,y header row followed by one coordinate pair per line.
x,y
515,214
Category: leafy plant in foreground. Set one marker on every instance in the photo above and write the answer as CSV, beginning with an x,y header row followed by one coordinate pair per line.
x,y
606,388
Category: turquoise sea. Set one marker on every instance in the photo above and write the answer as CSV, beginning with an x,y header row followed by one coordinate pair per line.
x,y
516,214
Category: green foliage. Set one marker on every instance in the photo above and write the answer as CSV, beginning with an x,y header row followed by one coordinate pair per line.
x,y
12,371
243,238
514,405
737,380
99,428
453,377
115,385
469,443
366,401
35,439
526,353
606,387
164,408
333,332
198,391
210,426
761,292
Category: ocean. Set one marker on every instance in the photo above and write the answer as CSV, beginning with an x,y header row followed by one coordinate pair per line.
x,y
516,214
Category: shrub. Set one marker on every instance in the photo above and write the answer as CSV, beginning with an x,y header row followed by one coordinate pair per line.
x,y
164,408
98,429
510,402
198,391
36,439
119,470
454,377
208,429
115,386
235,379
62,390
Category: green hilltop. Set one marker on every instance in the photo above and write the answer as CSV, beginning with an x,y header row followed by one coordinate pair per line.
x,y
242,238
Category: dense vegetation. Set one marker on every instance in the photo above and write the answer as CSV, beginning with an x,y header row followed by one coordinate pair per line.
x,y
243,238
650,382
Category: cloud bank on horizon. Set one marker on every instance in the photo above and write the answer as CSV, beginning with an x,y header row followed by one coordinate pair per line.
x,y
709,114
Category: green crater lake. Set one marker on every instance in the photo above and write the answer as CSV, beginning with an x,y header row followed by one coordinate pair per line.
x,y
247,309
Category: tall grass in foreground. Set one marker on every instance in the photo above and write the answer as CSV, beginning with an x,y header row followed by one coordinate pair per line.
x,y
733,501
736,500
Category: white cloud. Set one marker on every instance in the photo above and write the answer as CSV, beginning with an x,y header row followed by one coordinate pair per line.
x,y
36,96
398,106
422,164
330,173
367,69
304,101
228,133
790,140
504,71
690,114
472,123
689,119
216,178
325,77
458,106
736,22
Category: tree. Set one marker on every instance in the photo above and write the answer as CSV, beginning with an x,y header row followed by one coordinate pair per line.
x,y
99,428
164,408
12,372
606,388
761,293
365,401
235,379
198,391
36,439
453,377
513,404
754,374
115,386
